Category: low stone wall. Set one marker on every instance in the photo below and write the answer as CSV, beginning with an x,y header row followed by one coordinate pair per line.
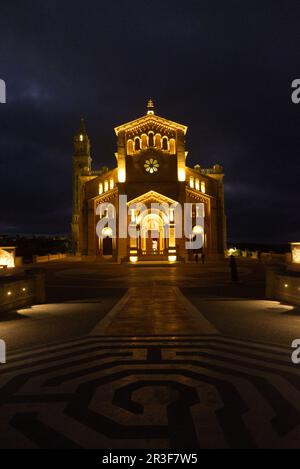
x,y
49,258
18,261
264,257
283,285
19,291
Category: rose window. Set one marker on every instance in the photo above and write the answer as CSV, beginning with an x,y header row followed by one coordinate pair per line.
x,y
151,166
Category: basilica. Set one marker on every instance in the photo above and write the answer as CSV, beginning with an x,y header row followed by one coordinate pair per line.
x,y
150,169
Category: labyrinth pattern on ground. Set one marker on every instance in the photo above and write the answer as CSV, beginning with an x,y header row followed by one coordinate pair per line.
x,y
205,391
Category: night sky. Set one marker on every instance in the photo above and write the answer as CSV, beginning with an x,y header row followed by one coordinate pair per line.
x,y
223,68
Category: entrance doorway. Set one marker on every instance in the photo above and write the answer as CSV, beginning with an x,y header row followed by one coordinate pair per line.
x,y
107,246
152,242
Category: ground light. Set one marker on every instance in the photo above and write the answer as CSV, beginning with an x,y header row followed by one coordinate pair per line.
x,y
172,258
133,259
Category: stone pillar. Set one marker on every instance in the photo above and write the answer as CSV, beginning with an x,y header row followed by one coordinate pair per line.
x,y
38,278
181,170
271,281
91,229
121,157
180,242
40,292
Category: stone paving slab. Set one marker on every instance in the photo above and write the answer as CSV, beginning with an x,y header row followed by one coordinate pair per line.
x,y
154,310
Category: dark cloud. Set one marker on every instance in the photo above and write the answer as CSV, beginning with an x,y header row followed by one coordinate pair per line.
x,y
222,68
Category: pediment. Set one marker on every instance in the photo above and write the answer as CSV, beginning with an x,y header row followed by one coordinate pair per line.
x,y
152,197
152,122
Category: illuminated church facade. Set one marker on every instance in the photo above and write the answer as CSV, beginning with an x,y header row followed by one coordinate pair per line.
x,y
151,169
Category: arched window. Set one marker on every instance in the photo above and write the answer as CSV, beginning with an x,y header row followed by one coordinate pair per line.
x,y
157,140
144,139
197,184
111,211
129,147
151,139
137,144
108,211
172,146
165,143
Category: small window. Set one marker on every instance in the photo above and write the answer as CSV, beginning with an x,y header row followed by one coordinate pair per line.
x,y
171,215
144,139
133,217
129,147
192,183
105,186
165,143
157,140
151,139
100,188
203,188
172,146
137,144
111,211
197,184
111,183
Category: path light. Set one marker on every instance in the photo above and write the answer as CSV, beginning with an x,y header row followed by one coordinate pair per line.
x,y
172,258
133,259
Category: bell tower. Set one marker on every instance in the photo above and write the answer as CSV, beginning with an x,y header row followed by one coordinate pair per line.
x,y
82,166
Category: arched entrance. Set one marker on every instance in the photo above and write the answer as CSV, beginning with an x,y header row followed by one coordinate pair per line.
x,y
152,240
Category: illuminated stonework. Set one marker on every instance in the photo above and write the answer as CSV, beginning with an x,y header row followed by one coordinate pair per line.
x,y
150,169
7,259
121,175
295,253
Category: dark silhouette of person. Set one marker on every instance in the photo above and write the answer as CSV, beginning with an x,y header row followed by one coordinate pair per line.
x,y
197,258
233,269
259,255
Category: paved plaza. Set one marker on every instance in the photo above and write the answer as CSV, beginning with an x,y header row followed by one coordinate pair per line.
x,y
127,356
